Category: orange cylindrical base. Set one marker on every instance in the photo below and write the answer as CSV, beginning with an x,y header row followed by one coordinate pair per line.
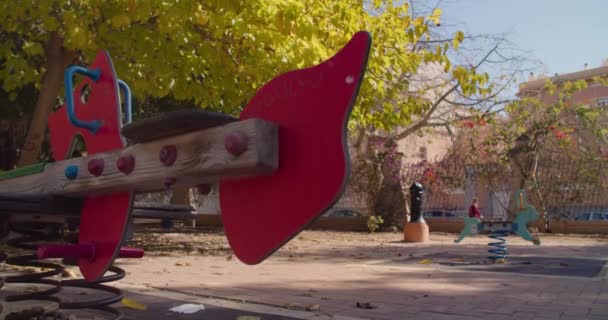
x,y
416,232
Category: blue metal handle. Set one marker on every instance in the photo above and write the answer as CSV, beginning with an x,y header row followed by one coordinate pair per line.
x,y
127,92
94,125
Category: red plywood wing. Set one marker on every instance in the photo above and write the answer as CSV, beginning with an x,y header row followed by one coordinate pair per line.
x,y
104,218
311,108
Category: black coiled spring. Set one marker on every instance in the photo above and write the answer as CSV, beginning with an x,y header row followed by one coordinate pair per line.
x,y
30,241
27,242
102,304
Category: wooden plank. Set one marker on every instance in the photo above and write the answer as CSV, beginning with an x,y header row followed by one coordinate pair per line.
x,y
161,206
174,123
147,210
151,213
21,172
201,158
11,204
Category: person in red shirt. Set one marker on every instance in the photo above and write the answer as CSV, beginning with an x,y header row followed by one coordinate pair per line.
x,y
474,210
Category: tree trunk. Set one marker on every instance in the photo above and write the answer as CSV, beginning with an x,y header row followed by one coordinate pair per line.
x,y
57,60
524,161
12,135
390,203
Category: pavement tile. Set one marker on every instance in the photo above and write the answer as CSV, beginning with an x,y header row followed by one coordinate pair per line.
x,y
446,316
599,311
336,282
522,315
577,311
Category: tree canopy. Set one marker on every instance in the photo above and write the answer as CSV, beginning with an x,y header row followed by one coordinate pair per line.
x,y
217,53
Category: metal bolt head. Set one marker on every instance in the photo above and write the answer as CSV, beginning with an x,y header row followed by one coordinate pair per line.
x,y
236,143
126,164
168,155
96,166
71,172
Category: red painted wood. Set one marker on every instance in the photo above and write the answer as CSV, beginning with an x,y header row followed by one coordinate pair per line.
x,y
102,104
103,223
311,107
103,219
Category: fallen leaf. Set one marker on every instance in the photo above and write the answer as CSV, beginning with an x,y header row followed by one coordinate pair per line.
x,y
183,264
313,307
425,261
366,305
229,258
133,304
67,273
188,308
294,306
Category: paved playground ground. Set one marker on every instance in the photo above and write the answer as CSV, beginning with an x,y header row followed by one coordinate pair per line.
x,y
339,275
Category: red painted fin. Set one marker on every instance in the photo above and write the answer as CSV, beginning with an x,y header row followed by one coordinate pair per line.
x,y
311,107
104,218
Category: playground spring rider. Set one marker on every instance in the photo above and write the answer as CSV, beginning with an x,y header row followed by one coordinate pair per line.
x,y
499,230
279,166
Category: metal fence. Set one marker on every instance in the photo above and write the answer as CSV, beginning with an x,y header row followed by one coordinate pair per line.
x,y
573,189
570,189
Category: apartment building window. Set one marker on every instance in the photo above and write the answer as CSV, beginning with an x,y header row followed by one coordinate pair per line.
x,y
601,102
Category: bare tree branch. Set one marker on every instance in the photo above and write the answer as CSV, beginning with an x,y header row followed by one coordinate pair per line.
x,y
423,122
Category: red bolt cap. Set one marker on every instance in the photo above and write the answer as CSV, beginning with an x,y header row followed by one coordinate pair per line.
x,y
96,166
126,164
236,143
168,155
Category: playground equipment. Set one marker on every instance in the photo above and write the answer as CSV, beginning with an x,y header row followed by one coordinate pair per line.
x,y
280,165
499,229
416,230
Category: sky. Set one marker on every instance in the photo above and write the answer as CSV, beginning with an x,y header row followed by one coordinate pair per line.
x,y
562,34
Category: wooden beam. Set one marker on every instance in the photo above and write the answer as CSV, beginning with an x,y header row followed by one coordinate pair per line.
x,y
19,205
201,158
147,210
11,204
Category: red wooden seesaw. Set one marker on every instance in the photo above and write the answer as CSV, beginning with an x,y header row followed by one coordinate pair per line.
x,y
279,166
